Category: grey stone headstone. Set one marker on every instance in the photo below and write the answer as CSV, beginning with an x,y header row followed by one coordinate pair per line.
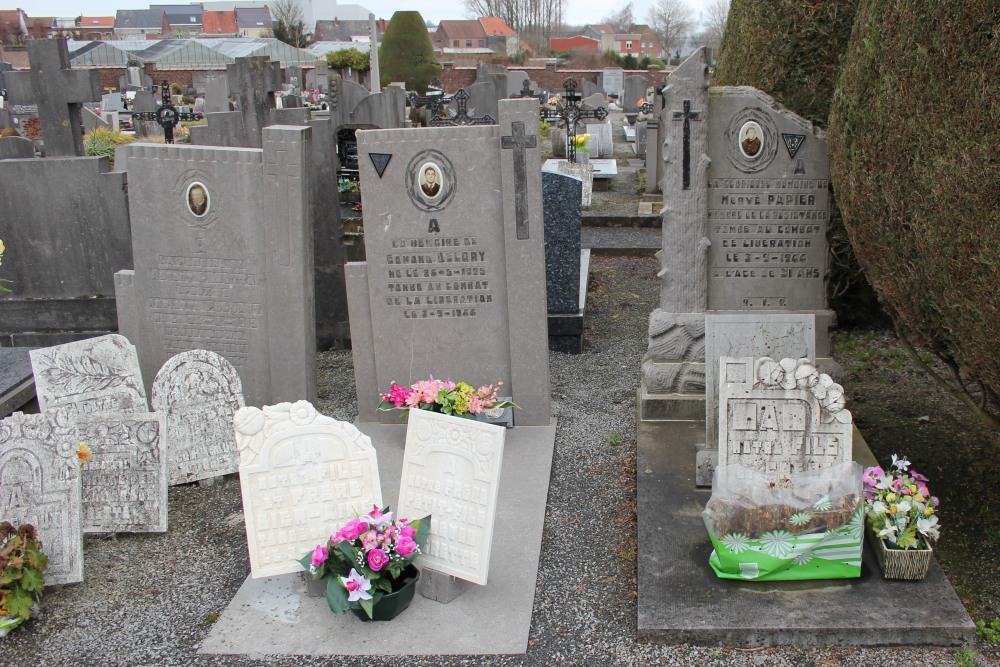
x,y
16,148
299,465
92,121
561,196
199,392
93,375
384,110
613,82
601,142
144,101
484,98
640,140
468,254
17,386
199,105
635,89
40,478
597,100
588,89
253,81
216,94
111,102
223,260
557,136
515,83
124,484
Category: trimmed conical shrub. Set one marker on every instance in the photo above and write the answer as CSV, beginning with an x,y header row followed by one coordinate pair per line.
x,y
406,53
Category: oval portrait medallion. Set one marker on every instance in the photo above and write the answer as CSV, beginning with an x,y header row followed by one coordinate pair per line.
x,y
198,199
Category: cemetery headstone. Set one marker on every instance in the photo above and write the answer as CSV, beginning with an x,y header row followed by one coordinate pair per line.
x,y
515,84
93,375
454,240
16,148
570,112
92,121
589,88
601,143
781,417
144,103
451,470
484,98
613,82
17,385
640,139
59,93
635,89
216,94
135,78
223,261
124,484
303,475
198,392
561,211
40,482
585,174
111,102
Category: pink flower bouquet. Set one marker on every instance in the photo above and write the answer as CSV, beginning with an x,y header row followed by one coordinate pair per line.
x,y
366,558
459,399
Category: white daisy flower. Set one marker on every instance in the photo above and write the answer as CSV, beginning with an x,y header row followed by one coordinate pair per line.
x,y
776,543
823,504
736,542
804,557
800,518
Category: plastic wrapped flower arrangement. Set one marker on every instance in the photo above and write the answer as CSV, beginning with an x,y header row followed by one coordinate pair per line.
x,y
368,564
459,399
901,510
806,525
22,566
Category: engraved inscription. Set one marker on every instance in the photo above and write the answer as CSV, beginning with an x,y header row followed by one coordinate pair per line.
x,y
432,277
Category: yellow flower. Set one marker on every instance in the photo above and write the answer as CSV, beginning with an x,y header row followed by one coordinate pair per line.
x,y
928,511
83,453
2,247
913,488
890,497
918,498
893,509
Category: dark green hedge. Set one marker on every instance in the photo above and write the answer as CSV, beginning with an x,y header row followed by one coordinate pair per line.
x,y
406,53
915,152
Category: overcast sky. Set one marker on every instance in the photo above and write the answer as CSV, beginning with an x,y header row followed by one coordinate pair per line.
x,y
579,12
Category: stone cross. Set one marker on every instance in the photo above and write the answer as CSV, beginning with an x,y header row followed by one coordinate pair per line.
x,y
167,116
518,142
687,116
59,92
570,114
254,81
462,116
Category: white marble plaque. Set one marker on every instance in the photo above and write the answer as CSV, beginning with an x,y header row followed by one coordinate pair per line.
x,y
124,484
303,475
92,375
781,417
199,391
40,485
451,470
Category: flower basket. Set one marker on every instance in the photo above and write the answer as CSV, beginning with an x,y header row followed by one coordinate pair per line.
x,y
909,564
395,603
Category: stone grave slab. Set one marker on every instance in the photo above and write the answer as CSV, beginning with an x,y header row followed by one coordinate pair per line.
x,y
582,172
92,121
40,479
630,132
222,260
613,82
561,195
16,148
17,384
87,376
454,241
781,417
112,102
635,89
451,470
124,484
601,144
588,88
198,392
303,476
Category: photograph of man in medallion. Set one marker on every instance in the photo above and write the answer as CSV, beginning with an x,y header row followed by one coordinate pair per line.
x,y
197,199
430,180
750,141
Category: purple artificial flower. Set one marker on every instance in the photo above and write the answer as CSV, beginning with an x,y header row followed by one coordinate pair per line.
x,y
357,586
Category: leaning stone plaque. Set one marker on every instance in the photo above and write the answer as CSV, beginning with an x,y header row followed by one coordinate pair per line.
x,y
92,375
303,475
124,484
451,470
199,391
40,485
781,417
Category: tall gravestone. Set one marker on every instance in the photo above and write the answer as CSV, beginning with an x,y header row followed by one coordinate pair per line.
x,y
303,476
745,186
635,89
40,485
199,392
223,260
59,93
454,282
613,82
563,224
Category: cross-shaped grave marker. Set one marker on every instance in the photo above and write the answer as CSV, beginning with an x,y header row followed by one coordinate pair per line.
x,y
59,92
526,91
167,116
687,116
434,100
570,113
519,141
462,116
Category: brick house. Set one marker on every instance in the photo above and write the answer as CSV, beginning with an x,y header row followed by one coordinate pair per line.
x,y
222,24
575,43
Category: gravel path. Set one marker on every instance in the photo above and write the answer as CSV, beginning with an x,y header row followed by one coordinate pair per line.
x,y
151,599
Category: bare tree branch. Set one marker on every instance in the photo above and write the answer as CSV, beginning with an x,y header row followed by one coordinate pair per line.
x,y
672,20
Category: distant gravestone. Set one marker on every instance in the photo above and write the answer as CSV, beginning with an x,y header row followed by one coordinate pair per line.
x,y
199,392
613,82
635,89
451,470
16,148
303,476
93,375
484,97
594,101
124,484
781,417
601,143
515,83
216,94
59,93
40,483
589,88
223,262
561,211
145,102
92,121
640,140
454,240
111,102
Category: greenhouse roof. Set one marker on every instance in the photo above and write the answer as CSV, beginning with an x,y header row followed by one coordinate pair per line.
x,y
212,53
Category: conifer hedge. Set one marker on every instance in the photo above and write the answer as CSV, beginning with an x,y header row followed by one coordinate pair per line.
x,y
406,53
915,156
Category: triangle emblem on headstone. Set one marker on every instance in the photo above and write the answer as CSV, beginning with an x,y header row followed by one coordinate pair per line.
x,y
793,142
380,161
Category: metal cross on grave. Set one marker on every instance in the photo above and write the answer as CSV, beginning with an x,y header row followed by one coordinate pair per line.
x,y
518,141
687,116
435,99
59,93
462,116
525,91
167,116
570,114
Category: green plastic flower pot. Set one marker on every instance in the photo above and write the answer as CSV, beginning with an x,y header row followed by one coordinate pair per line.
x,y
393,604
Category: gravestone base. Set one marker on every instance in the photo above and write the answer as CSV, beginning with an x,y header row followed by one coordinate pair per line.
x,y
670,407
566,329
681,601
441,587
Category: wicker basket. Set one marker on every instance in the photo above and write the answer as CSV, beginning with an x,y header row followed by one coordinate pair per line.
x,y
909,564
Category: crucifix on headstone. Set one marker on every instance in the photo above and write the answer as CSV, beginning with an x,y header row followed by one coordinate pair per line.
x,y
526,91
462,116
167,116
59,92
687,116
434,100
518,141
570,114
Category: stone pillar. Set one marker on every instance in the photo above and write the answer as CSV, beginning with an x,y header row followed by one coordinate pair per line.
x,y
652,155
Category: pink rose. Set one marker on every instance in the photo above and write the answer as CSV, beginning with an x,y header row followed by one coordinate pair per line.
x,y
407,531
319,555
377,559
353,528
405,546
